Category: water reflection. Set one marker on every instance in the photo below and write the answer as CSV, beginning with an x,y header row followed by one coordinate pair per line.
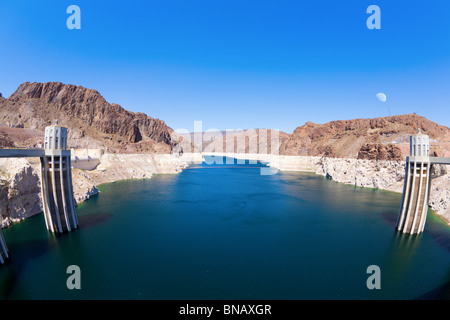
x,y
400,261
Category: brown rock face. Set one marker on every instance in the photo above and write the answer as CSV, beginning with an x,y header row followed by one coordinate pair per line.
x,y
380,152
87,114
385,137
5,141
327,151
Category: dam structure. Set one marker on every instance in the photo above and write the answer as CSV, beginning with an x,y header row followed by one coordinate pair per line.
x,y
417,183
56,182
3,249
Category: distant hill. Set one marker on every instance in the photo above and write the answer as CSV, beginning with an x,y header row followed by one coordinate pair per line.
x,y
238,141
384,138
91,120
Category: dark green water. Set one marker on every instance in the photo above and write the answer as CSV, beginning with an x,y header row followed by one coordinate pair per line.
x,y
230,233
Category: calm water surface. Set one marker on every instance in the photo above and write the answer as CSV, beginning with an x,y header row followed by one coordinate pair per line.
x,y
230,233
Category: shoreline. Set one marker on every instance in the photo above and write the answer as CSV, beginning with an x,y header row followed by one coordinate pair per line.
x,y
382,175
385,175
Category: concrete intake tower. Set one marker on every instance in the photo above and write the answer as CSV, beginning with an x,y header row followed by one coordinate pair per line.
x,y
417,185
56,182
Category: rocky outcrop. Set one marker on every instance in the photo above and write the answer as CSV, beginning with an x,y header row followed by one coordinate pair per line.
x,y
378,151
87,115
386,175
19,190
440,195
83,186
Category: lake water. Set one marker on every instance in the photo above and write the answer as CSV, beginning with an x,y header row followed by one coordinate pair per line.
x,y
228,232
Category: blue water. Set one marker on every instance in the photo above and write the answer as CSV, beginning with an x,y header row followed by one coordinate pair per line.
x,y
228,232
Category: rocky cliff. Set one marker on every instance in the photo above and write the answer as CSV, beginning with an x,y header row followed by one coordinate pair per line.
x,y
440,196
19,190
385,138
91,120
379,151
383,174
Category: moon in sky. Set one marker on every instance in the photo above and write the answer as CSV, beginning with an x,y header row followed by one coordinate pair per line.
x,y
381,97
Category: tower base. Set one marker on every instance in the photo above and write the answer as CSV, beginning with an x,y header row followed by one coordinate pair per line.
x,y
416,193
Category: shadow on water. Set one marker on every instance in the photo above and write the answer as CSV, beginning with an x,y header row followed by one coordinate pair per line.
x,y
24,251
442,238
441,293
390,218
93,219
19,255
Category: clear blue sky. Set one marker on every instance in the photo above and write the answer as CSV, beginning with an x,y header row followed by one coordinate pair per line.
x,y
237,63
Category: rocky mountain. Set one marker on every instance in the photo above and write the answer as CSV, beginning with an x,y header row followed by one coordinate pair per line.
x,y
91,120
384,138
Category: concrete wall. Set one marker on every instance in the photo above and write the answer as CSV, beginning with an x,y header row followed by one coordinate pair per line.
x,y
87,153
86,159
